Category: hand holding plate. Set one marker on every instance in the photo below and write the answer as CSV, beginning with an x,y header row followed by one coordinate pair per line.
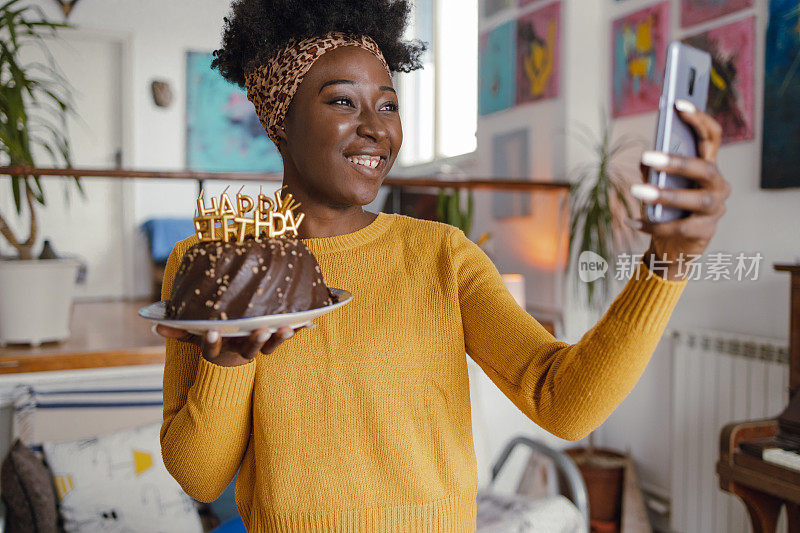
x,y
231,351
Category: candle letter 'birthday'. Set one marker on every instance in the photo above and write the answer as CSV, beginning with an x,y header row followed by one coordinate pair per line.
x,y
263,217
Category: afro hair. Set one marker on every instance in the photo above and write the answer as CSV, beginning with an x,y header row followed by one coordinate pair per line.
x,y
256,29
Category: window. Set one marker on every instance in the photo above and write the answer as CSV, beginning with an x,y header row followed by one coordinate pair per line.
x,y
439,103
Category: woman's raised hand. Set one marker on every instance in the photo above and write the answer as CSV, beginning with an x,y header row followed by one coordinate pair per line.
x,y
673,243
231,351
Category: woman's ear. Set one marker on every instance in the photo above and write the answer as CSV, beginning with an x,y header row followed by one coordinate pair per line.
x,y
282,133
282,139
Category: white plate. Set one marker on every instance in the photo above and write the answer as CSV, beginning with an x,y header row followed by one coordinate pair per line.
x,y
242,327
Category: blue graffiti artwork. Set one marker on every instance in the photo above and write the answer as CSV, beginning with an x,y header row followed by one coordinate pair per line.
x,y
223,133
780,157
497,72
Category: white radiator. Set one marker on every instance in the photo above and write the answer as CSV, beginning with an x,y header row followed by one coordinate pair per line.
x,y
717,378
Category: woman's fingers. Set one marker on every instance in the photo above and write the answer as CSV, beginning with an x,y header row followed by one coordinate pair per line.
x,y
707,130
266,340
704,172
211,345
178,334
707,198
702,201
257,343
172,333
277,338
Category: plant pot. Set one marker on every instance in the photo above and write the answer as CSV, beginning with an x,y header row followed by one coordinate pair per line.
x,y
603,472
36,300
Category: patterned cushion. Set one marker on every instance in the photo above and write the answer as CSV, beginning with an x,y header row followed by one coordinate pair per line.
x,y
117,483
27,492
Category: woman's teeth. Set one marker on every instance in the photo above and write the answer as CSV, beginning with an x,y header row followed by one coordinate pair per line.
x,y
367,161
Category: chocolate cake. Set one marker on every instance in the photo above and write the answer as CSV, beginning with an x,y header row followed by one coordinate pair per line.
x,y
226,280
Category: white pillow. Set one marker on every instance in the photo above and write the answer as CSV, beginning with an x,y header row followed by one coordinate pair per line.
x,y
118,483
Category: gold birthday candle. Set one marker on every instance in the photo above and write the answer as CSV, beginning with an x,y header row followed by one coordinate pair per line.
x,y
244,204
274,217
205,221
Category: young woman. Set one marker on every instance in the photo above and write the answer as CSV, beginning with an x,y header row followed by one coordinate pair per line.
x,y
363,423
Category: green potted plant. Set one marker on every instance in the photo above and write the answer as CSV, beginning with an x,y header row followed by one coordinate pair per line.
x,y
35,101
449,211
598,205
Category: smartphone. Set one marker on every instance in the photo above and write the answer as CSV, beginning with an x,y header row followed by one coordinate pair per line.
x,y
687,76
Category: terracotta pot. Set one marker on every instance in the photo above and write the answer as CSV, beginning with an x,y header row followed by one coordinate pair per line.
x,y
603,474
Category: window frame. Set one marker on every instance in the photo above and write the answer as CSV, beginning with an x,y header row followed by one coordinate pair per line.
x,y
439,163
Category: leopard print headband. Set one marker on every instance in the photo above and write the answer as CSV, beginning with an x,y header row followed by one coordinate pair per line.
x,y
271,87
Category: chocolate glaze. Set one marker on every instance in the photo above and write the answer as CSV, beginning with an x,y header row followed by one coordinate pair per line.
x,y
221,280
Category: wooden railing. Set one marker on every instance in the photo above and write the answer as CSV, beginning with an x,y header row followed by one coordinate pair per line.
x,y
512,184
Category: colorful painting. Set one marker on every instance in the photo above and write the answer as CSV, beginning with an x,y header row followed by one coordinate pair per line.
x,y
496,69
538,35
697,11
510,161
780,157
639,44
223,133
492,7
730,92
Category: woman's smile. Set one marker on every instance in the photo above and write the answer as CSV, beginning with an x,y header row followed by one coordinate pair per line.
x,y
369,165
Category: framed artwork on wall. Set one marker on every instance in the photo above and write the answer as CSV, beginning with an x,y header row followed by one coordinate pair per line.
x,y
638,45
223,133
538,44
697,11
780,157
510,161
496,69
730,93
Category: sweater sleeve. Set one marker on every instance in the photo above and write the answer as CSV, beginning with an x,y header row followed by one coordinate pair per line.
x,y
568,389
207,412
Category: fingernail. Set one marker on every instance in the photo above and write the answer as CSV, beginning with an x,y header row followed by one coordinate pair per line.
x,y
262,337
633,223
212,336
311,326
685,106
651,158
643,191
288,334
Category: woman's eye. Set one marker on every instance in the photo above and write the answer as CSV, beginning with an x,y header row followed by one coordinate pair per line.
x,y
390,106
342,99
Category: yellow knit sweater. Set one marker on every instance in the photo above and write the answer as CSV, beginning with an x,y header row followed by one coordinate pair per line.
x,y
363,423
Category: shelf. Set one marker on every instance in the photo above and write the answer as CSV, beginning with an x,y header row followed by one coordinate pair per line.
x,y
423,181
